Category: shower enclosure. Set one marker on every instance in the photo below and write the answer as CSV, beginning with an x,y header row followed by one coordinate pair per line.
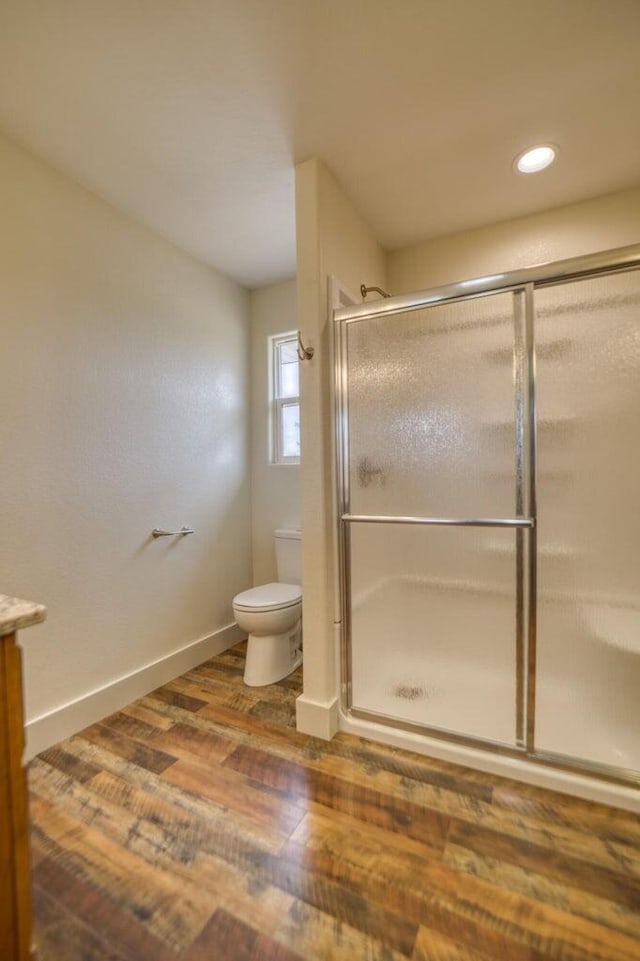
x,y
488,461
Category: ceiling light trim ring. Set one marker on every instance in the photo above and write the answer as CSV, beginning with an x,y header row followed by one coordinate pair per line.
x,y
535,159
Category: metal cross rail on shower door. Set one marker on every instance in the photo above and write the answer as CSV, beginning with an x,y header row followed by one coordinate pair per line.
x,y
440,521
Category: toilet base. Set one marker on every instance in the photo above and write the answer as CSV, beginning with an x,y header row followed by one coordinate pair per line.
x,y
270,657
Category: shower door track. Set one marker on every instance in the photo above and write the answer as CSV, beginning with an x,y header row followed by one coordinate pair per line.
x,y
564,762
519,282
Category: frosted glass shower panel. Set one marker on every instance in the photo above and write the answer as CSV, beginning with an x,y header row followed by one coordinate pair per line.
x,y
588,390
432,627
431,411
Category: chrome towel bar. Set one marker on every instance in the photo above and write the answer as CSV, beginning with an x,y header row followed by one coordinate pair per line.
x,y
156,532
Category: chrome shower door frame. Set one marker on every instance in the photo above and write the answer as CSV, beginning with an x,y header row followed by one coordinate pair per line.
x,y
521,284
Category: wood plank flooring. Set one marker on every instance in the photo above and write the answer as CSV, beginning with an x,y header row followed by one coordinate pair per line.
x,y
198,825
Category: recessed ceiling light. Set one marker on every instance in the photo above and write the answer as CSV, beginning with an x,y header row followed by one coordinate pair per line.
x,y
535,159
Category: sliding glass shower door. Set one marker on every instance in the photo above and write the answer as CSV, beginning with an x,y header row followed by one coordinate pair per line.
x,y
588,637
488,460
434,433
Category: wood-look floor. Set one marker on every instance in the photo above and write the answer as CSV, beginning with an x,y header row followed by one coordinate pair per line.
x,y
198,825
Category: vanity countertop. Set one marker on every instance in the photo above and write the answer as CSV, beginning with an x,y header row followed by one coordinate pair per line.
x,y
16,614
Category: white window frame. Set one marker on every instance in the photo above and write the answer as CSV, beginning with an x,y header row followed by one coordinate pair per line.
x,y
278,403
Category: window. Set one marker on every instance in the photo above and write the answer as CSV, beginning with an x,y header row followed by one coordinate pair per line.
x,y
285,399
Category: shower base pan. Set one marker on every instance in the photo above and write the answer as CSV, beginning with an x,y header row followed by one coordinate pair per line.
x,y
457,703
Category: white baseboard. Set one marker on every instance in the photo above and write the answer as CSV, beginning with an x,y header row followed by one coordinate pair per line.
x,y
72,717
319,718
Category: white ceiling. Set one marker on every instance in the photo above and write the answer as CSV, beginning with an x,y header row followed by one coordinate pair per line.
x,y
190,114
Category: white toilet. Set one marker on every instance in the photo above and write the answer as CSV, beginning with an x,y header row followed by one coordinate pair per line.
x,y
272,616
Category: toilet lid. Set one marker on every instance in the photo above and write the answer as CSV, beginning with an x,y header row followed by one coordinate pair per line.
x,y
268,597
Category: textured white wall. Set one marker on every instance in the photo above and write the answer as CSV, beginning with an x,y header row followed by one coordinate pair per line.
x,y
124,399
571,231
275,488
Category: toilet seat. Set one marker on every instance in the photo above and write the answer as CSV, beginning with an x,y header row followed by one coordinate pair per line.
x,y
268,597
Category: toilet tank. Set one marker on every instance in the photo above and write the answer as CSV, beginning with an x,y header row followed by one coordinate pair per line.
x,y
289,556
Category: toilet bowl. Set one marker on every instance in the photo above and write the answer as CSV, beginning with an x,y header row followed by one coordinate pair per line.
x,y
271,614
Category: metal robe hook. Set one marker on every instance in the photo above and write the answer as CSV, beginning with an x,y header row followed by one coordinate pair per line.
x,y
304,353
